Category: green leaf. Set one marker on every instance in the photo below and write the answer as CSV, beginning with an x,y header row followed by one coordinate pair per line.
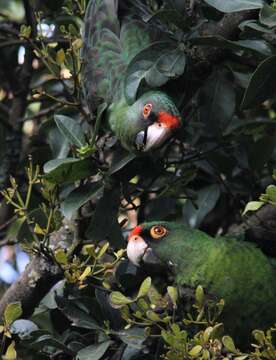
x,y
79,197
10,353
171,64
120,162
117,299
103,250
67,170
235,5
194,352
268,16
60,57
94,352
206,201
199,295
71,130
217,102
153,316
252,206
229,344
144,288
100,112
173,294
271,192
61,256
104,223
49,340
259,335
134,337
254,25
87,271
262,84
143,66
12,312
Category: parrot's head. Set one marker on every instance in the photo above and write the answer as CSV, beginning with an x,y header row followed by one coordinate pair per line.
x,y
154,119
146,240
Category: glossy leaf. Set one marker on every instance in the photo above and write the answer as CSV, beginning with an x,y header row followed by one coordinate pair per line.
x,y
235,5
50,340
78,316
67,170
144,66
217,103
117,299
79,197
229,344
268,16
173,294
12,312
195,351
206,201
70,129
262,85
253,206
144,288
104,223
10,353
94,352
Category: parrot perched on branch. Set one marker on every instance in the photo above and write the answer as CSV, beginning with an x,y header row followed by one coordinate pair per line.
x,y
109,47
236,271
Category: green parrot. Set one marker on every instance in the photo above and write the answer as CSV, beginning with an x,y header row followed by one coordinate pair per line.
x,y
109,46
234,270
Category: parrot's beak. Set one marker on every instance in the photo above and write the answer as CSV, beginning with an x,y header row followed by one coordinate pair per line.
x,y
153,137
138,251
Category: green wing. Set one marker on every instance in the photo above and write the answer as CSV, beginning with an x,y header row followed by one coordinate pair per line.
x,y
107,51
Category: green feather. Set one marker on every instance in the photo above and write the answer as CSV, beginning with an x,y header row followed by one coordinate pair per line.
x,y
109,46
234,270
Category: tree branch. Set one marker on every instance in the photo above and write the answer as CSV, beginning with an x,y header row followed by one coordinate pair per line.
x,y
40,275
32,285
260,228
228,28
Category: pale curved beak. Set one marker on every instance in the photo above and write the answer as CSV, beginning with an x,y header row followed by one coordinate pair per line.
x,y
136,249
153,137
139,251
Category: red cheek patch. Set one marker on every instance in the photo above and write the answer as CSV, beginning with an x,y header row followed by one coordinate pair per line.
x,y
135,232
168,120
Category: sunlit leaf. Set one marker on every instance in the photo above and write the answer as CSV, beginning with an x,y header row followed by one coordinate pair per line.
x,y
253,206
144,288
12,312
235,5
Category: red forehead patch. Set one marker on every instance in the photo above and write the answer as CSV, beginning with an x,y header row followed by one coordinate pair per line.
x,y
136,231
170,121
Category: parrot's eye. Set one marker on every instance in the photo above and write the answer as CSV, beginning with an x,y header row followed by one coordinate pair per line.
x,y
158,232
147,110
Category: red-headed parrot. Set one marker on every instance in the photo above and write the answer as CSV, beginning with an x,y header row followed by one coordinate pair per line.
x,y
109,46
232,269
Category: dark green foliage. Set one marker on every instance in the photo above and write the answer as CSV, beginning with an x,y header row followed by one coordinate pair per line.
x,y
92,181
